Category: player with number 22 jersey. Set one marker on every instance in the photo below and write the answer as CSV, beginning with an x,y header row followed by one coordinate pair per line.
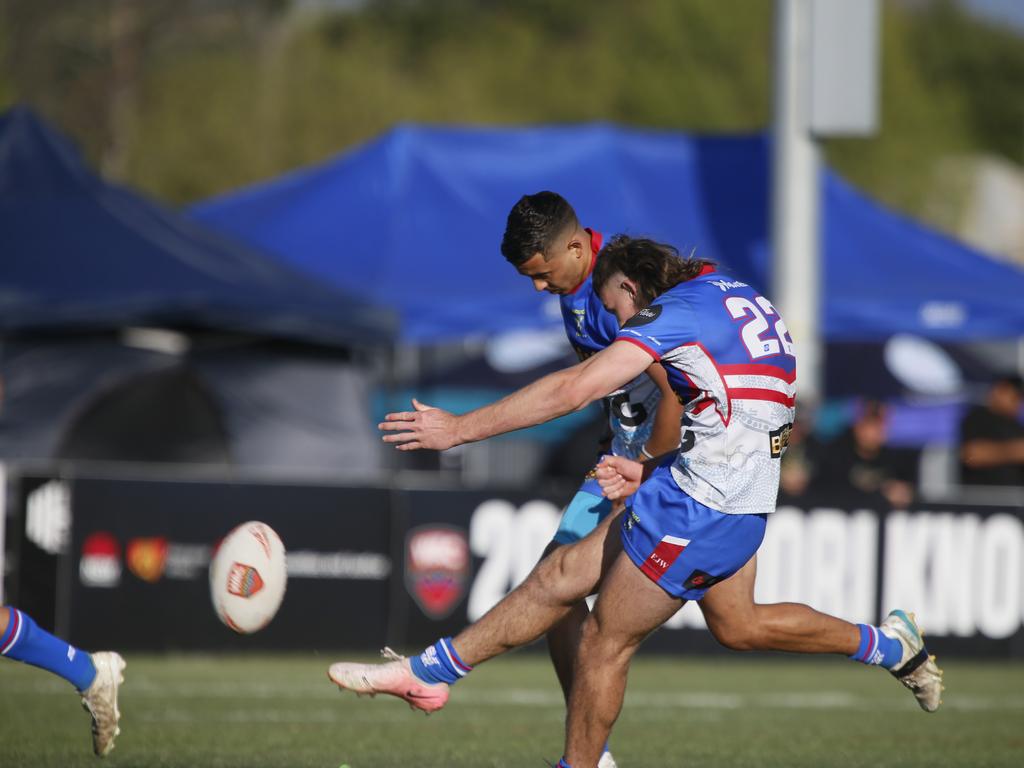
x,y
730,360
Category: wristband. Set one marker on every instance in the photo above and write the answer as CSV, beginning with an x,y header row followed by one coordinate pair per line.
x,y
643,451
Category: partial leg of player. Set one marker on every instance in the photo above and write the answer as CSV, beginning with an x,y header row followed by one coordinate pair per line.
x,y
917,669
96,676
100,700
741,624
548,594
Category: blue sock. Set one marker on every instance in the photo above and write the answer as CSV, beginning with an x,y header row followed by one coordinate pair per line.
x,y
563,764
876,648
25,641
439,663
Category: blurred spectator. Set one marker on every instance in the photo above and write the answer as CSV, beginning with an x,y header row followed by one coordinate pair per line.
x,y
859,462
798,461
992,437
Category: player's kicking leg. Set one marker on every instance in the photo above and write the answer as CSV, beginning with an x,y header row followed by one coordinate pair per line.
x,y
97,676
739,623
548,594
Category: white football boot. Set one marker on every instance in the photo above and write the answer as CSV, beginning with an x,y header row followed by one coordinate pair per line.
x,y
394,677
100,700
917,670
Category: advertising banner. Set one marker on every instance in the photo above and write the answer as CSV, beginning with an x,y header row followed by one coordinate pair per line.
x,y
959,568
375,566
141,551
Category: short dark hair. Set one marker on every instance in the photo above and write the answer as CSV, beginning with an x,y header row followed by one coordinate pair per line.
x,y
654,267
533,224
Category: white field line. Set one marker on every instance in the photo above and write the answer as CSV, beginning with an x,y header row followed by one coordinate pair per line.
x,y
525,697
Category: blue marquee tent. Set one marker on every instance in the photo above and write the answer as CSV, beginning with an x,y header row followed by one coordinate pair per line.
x,y
77,253
80,258
413,220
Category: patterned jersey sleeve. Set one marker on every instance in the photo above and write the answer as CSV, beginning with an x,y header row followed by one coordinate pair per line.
x,y
667,323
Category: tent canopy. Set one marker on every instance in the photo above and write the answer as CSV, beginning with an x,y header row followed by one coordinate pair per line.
x,y
414,220
78,253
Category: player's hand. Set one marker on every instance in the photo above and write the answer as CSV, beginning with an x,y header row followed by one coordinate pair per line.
x,y
618,476
425,427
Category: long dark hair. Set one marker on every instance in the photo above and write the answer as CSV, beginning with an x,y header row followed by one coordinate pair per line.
x,y
654,267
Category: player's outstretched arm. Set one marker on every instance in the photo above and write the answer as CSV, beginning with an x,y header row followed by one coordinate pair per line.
x,y
547,398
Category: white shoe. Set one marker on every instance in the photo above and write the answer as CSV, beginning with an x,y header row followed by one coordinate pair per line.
x,y
916,670
100,700
394,678
607,761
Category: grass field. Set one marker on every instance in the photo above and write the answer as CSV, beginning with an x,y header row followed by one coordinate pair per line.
x,y
277,711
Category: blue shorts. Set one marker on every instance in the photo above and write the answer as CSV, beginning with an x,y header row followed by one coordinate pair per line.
x,y
582,515
682,545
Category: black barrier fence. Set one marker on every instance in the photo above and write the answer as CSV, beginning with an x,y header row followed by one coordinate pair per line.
x,y
402,566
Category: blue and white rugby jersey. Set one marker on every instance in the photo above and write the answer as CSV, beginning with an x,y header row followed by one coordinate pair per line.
x,y
730,359
591,328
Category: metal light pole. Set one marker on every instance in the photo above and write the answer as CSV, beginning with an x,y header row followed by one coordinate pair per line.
x,y
796,160
826,84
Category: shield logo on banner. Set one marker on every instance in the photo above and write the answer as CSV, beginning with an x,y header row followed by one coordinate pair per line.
x,y
436,568
146,558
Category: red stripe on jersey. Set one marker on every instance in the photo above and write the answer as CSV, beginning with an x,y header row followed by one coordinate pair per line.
x,y
703,405
596,238
757,369
762,394
642,346
661,559
15,622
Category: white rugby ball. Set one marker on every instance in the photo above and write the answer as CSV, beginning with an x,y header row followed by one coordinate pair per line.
x,y
248,576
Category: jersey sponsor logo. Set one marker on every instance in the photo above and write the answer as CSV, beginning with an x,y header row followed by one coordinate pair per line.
x,y
726,285
437,568
664,555
779,440
632,518
699,579
579,315
644,316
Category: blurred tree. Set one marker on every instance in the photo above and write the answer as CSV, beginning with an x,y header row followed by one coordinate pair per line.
x,y
187,98
985,65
